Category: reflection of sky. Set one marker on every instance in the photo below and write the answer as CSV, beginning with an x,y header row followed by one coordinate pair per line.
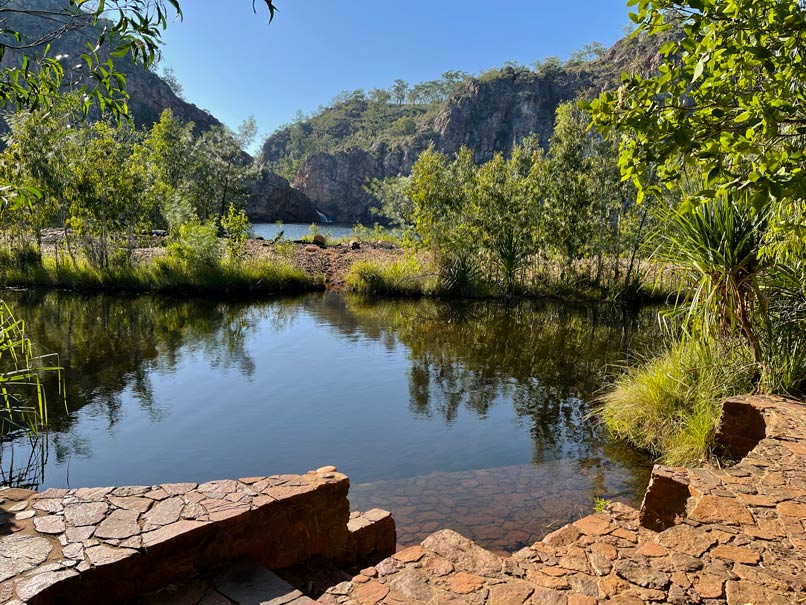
x,y
294,386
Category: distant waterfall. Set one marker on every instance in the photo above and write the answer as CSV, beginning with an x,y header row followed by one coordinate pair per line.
x,y
322,217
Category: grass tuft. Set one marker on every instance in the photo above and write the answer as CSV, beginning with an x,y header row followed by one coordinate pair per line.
x,y
670,405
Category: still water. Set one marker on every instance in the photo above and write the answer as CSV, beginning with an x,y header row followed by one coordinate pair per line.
x,y
296,231
472,416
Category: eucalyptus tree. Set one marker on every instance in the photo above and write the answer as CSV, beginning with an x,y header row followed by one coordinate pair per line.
x,y
569,203
508,199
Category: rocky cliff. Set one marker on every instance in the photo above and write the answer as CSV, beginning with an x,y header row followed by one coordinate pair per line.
x,y
488,115
273,199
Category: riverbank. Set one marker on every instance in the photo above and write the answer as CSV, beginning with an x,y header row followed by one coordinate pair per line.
x,y
374,268
382,268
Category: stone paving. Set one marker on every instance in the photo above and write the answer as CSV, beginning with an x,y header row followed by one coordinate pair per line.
x,y
94,545
735,535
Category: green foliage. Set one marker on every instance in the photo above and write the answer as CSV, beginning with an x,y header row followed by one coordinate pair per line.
x,y
196,243
508,196
724,109
670,405
399,278
23,396
173,273
396,205
721,128
718,245
107,185
600,505
237,230
504,221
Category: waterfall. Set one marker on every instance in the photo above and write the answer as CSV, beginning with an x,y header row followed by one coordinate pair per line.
x,y
322,217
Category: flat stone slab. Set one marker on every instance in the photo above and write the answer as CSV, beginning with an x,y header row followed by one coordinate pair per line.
x,y
734,536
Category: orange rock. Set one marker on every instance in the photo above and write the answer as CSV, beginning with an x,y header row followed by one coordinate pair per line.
x,y
514,592
371,592
554,571
594,525
577,599
553,582
652,549
717,509
410,554
606,550
464,583
709,586
437,566
737,554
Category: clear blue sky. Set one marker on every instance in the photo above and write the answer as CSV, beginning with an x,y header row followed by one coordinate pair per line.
x,y
233,64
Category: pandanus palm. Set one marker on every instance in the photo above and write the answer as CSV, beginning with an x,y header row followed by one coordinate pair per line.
x,y
718,245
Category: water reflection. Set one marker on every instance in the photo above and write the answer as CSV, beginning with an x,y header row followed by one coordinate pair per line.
x,y
394,393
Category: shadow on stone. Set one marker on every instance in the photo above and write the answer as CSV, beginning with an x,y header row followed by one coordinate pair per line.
x,y
665,501
741,428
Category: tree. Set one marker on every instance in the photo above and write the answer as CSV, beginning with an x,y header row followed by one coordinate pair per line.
x,y
169,76
508,196
400,91
726,110
570,199
217,173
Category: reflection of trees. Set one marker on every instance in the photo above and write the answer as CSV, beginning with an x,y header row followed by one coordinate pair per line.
x,y
548,358
110,345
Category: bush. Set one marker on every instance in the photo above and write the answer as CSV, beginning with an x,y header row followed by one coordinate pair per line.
x,y
196,243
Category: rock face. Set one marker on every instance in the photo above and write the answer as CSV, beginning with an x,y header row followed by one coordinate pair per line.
x,y
490,117
273,199
335,182
487,117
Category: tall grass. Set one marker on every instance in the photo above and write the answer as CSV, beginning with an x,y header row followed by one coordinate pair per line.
x,y
463,277
399,278
168,275
670,405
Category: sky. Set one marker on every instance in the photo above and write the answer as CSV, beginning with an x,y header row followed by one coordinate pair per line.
x,y
233,64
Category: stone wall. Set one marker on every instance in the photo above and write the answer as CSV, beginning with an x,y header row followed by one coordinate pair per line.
x,y
80,545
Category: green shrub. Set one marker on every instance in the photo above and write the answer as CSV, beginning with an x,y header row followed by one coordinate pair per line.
x,y
196,243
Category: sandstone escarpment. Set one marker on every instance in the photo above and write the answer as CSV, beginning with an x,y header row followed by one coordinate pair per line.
x,y
273,199
488,115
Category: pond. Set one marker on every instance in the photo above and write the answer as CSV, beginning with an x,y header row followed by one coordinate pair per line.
x,y
467,415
